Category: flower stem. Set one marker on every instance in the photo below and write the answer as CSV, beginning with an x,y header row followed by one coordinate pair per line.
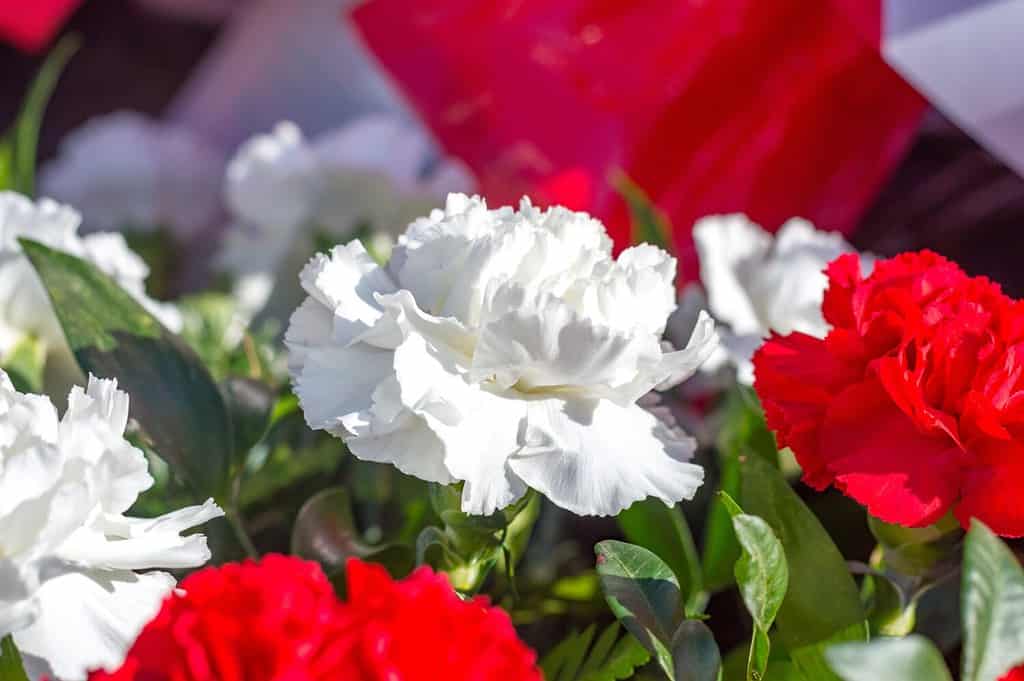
x,y
233,513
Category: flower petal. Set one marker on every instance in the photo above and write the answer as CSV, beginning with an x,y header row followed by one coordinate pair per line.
x,y
88,620
990,491
597,458
900,474
726,245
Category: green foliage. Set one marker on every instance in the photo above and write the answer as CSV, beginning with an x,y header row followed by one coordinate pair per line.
x,y
11,668
174,399
664,531
762,575
325,531
695,653
743,434
822,599
643,593
650,225
24,364
211,327
18,145
993,607
578,657
914,658
250,404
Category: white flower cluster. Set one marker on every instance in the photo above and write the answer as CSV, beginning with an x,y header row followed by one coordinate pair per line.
x,y
69,588
25,309
126,171
502,349
283,191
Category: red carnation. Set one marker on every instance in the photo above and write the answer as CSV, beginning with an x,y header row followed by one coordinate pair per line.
x,y
419,629
1016,674
914,403
279,619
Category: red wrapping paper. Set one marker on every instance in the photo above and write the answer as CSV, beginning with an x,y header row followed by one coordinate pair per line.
x,y
774,108
30,25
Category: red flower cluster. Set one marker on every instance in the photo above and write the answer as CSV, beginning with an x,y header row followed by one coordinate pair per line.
x,y
280,619
914,403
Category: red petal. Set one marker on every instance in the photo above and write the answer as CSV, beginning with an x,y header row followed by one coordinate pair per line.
x,y
992,486
796,378
880,458
31,24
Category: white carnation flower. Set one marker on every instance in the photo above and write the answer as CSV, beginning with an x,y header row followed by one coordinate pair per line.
x,y
127,171
284,191
503,349
756,283
69,590
25,309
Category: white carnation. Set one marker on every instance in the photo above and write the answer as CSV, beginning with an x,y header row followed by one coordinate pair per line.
x,y
756,283
126,171
283,191
503,349
25,309
69,590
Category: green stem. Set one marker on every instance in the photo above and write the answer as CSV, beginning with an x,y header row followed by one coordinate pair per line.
x,y
233,513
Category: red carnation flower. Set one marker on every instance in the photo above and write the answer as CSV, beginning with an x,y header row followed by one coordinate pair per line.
x,y
279,619
240,622
914,403
1014,675
419,629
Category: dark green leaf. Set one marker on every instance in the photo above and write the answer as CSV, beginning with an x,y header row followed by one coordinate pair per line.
x,y
643,594
24,134
695,653
25,363
914,658
993,607
249,402
822,599
11,668
649,224
664,531
173,398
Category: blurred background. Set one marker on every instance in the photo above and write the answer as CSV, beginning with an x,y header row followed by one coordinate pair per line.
x,y
806,118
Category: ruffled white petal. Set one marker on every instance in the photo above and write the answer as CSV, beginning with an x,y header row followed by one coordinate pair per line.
x,y
87,621
598,458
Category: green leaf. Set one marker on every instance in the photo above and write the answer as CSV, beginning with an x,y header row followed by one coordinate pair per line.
x,y
763,578
914,658
643,594
611,658
993,607
822,599
250,404
650,225
664,531
695,653
810,660
761,572
11,668
23,137
25,363
173,398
